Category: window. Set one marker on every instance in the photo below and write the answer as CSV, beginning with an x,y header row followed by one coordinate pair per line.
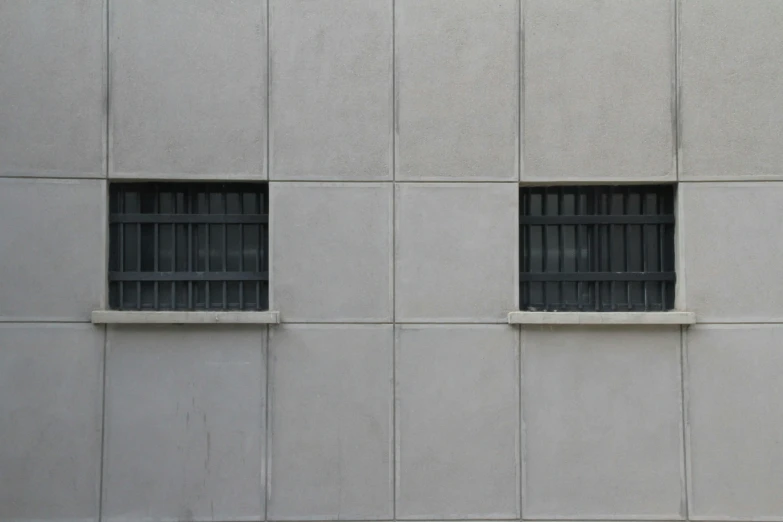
x,y
188,246
597,248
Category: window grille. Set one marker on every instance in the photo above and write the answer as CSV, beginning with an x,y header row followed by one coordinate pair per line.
x,y
597,248
188,246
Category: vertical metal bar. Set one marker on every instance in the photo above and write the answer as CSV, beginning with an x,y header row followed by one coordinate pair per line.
x,y
529,253
578,211
626,204
528,263
259,254
207,252
661,244
526,249
241,251
524,253
173,249
225,250
174,256
544,248
597,244
644,250
191,250
529,247
155,249
560,247
138,261
610,210
121,208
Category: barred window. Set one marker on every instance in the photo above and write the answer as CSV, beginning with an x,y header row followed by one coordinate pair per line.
x,y
188,246
597,248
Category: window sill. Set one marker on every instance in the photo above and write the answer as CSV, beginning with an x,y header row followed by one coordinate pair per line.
x,y
602,318
166,317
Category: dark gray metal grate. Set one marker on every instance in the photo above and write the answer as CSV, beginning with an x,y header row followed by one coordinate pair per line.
x,y
188,246
597,248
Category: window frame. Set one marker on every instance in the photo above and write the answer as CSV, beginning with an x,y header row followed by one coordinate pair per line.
x,y
670,311
188,206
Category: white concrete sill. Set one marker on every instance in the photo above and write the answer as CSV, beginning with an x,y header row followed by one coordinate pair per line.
x,y
602,318
128,317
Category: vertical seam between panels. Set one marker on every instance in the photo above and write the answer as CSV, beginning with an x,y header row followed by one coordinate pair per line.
x,y
521,88
104,273
676,90
266,454
394,138
266,458
103,422
684,466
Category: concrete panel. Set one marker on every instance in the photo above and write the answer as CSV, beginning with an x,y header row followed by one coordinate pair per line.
x,y
731,99
52,237
330,448
456,252
598,90
734,417
184,423
52,83
331,91
602,411
331,251
188,81
732,242
457,89
457,394
50,406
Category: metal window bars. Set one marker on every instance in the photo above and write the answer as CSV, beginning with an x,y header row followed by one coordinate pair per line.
x,y
597,248
188,246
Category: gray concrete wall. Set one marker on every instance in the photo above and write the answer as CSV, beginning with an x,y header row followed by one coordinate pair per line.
x,y
394,135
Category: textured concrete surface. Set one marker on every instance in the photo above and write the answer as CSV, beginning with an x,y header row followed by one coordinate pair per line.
x,y
457,84
602,414
734,417
188,84
50,434
169,317
731,89
395,134
331,89
456,252
602,318
598,90
732,233
332,251
184,423
457,395
52,88
330,447
52,262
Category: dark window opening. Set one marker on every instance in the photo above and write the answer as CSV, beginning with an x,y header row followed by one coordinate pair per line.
x,y
188,246
597,248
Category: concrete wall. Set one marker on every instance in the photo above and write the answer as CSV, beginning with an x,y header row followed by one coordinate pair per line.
x,y
395,134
